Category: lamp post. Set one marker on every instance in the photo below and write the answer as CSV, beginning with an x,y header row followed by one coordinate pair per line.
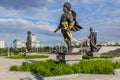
x,y
8,44
61,49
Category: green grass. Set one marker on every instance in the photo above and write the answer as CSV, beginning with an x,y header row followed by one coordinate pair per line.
x,y
27,57
54,68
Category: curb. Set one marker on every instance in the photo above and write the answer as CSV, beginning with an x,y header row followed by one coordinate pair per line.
x,y
116,71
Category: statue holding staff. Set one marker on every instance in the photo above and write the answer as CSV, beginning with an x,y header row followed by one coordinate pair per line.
x,y
28,42
92,38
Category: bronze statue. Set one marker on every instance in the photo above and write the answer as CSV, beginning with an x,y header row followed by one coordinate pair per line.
x,y
92,38
28,42
67,24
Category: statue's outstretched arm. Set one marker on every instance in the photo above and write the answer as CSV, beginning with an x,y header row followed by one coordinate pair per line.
x,y
57,29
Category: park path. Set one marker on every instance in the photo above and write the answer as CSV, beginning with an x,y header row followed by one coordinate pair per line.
x,y
5,64
5,74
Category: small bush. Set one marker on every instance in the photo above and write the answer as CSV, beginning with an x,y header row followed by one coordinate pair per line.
x,y
14,68
43,68
97,66
25,66
76,68
62,69
117,65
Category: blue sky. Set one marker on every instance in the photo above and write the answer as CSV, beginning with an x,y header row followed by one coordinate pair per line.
x,y
41,17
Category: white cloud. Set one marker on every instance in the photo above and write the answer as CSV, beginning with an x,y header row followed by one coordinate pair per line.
x,y
11,12
21,25
92,1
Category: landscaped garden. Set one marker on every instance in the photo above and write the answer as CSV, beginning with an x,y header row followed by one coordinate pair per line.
x,y
55,68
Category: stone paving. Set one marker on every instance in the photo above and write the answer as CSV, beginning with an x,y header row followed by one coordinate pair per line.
x,y
116,76
87,77
5,74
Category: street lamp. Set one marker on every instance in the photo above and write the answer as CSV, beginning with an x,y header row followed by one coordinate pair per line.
x,y
8,44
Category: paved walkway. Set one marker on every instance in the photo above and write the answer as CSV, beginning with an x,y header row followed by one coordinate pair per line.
x,y
85,77
5,74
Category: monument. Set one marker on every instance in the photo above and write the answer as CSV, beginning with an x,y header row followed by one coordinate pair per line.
x,y
67,24
92,38
28,42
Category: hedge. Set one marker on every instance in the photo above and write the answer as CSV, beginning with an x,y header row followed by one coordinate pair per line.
x,y
101,56
54,68
27,57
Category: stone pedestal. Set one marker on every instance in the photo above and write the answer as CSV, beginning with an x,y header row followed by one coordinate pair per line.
x,y
69,57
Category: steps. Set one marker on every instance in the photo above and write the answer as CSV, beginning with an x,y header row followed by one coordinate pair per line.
x,y
107,51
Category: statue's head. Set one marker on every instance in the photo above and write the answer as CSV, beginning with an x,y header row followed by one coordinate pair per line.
x,y
91,29
29,32
66,6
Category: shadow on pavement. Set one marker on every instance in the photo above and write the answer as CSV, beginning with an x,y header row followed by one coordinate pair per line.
x,y
36,77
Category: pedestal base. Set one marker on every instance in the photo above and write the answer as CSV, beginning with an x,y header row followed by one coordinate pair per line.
x,y
69,57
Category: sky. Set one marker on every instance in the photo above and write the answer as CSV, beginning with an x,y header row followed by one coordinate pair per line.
x,y
41,17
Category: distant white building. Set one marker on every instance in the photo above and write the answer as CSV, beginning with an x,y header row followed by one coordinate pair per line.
x,y
119,43
111,43
19,44
33,37
35,42
2,44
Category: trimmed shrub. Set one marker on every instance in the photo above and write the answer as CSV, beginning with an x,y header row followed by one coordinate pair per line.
x,y
76,68
97,66
43,68
27,57
94,57
117,65
25,66
15,68
62,69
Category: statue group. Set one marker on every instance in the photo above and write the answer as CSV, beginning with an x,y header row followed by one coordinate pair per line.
x,y
67,24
